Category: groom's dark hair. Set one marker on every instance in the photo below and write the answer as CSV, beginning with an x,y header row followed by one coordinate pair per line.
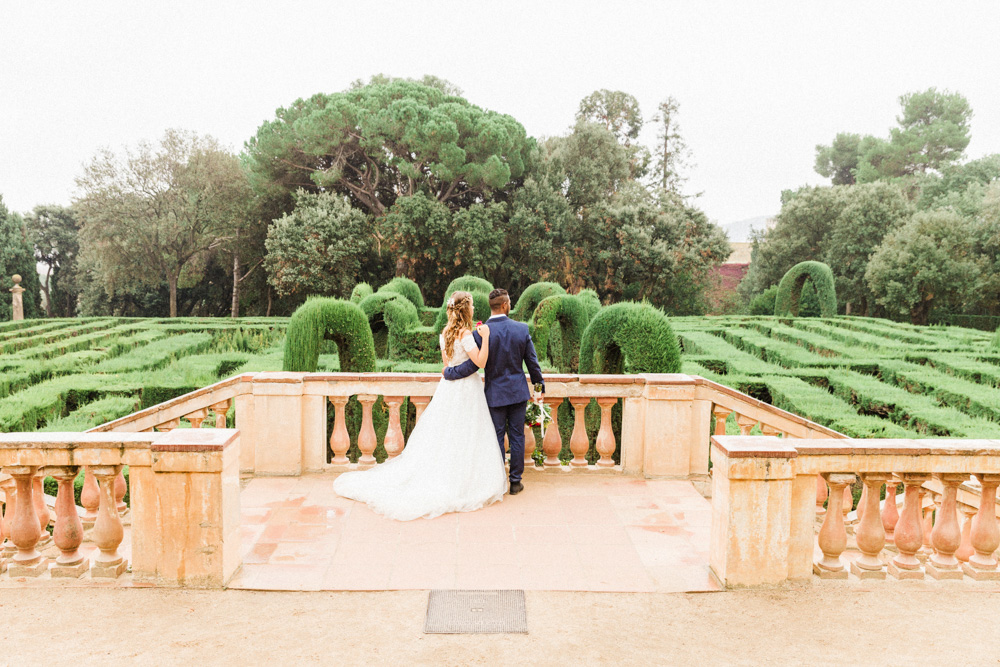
x,y
497,299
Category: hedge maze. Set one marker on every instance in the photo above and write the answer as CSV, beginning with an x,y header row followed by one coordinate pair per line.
x,y
863,377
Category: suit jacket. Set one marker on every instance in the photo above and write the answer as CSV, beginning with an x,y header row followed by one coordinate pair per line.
x,y
510,347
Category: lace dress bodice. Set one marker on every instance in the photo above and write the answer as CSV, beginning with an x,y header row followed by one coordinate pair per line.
x,y
462,348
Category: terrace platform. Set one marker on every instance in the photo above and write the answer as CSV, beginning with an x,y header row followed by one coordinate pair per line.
x,y
565,532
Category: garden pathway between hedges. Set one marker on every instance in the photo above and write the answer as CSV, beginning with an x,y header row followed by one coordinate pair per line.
x,y
566,532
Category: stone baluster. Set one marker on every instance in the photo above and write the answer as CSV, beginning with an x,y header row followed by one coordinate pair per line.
x,y
366,437
9,487
890,513
68,530
27,561
821,495
340,440
946,536
870,534
606,443
832,536
848,504
926,549
769,431
108,531
121,488
393,442
985,532
529,447
909,530
90,498
745,423
420,404
966,550
579,442
197,417
721,414
221,409
552,442
168,426
41,509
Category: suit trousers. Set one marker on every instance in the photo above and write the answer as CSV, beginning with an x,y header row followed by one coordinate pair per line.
x,y
509,420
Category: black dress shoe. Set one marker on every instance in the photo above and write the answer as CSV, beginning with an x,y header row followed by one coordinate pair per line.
x,y
516,488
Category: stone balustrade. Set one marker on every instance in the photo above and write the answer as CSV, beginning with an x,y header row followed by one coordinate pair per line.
x,y
764,509
184,505
290,423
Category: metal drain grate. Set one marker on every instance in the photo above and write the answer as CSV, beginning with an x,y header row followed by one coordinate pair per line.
x,y
476,612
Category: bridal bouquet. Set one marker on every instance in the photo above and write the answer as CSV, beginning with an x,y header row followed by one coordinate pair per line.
x,y
538,415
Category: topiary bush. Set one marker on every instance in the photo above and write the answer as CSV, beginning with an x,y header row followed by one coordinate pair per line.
x,y
590,301
407,288
570,313
480,290
531,297
629,338
790,289
343,322
360,291
995,343
408,338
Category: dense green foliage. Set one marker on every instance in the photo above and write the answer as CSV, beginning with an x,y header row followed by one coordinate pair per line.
x,y
531,297
480,290
786,302
407,288
360,291
630,338
341,321
16,257
571,315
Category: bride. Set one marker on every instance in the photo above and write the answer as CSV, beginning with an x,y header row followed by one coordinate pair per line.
x,y
451,462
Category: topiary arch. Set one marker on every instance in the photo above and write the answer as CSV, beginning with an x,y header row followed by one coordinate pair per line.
x,y
571,314
786,304
360,291
480,289
343,322
630,338
407,288
531,297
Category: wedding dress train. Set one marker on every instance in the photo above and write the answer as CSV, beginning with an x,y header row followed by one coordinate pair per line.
x,y
451,463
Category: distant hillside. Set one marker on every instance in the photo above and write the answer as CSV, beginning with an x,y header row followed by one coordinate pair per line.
x,y
739,231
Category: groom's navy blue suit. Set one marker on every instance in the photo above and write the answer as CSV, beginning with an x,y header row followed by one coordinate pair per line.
x,y
507,393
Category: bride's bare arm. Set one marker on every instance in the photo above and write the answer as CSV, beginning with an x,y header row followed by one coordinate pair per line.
x,y
479,356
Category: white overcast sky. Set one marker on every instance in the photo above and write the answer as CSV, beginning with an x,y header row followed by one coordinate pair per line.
x,y
759,83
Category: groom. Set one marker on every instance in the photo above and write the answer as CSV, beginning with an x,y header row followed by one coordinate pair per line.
x,y
507,393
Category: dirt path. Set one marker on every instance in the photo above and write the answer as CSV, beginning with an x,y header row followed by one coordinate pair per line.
x,y
811,626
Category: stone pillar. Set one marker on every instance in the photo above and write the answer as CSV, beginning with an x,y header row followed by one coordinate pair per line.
x,y
18,299
832,538
909,534
277,423
108,531
870,533
985,533
674,428
752,510
946,536
27,562
186,510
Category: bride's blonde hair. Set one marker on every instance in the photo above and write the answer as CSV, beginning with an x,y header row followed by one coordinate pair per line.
x,y
459,318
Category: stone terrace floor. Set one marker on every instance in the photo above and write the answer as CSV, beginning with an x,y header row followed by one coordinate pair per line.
x,y
564,532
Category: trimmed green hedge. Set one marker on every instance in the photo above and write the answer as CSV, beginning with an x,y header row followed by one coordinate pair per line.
x,y
531,297
570,313
407,288
590,301
786,303
360,291
320,318
995,343
408,339
630,338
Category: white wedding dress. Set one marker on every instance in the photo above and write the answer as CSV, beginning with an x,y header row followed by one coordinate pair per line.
x,y
451,463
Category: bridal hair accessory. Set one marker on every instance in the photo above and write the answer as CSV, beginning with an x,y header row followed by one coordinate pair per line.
x,y
451,302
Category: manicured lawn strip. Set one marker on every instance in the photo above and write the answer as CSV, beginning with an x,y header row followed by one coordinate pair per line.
x,y
915,412
819,344
854,338
969,397
100,338
885,328
36,405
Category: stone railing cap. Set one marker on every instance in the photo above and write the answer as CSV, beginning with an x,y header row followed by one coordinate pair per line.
x,y
754,447
56,440
195,440
897,447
